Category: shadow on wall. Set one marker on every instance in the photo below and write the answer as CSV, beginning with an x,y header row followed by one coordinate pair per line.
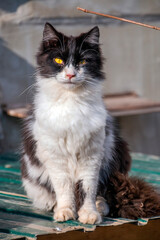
x,y
15,76
11,5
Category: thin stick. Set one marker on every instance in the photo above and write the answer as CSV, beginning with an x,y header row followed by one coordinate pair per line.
x,y
13,194
118,18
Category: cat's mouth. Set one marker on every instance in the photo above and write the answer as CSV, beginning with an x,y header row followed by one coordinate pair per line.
x,y
69,82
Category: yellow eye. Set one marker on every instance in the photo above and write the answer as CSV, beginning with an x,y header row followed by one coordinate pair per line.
x,y
82,62
58,60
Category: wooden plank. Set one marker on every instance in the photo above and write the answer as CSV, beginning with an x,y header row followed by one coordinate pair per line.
x,y
134,111
129,104
18,112
124,232
117,104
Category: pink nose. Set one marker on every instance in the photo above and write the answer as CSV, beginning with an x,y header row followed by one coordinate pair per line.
x,y
70,75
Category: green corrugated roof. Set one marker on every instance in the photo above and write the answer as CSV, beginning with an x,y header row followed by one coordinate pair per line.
x,y
19,219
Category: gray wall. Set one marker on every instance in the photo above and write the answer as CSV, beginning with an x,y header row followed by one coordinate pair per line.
x,y
132,53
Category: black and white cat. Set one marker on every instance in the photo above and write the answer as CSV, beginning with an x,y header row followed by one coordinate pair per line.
x,y
71,147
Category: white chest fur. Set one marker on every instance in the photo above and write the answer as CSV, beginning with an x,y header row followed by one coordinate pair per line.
x,y
64,125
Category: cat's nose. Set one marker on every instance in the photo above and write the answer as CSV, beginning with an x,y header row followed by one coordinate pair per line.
x,y
70,75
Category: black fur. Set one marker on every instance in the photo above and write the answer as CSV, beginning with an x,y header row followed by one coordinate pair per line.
x,y
70,50
79,195
131,197
120,158
29,143
128,197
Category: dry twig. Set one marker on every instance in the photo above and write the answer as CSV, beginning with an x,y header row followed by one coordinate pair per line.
x,y
118,18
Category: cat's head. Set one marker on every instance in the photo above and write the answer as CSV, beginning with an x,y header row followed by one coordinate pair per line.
x,y
70,61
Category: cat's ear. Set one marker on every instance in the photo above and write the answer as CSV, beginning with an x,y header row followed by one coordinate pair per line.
x,y
49,32
50,36
93,36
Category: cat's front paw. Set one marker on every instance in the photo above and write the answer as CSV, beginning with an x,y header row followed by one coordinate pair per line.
x,y
89,216
64,214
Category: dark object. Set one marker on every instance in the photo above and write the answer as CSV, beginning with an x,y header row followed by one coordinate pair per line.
x,y
131,197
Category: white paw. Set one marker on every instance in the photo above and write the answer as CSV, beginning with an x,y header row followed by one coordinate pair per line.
x,y
102,206
63,214
89,216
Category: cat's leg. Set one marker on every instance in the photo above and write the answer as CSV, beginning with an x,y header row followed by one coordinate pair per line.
x,y
102,206
64,189
65,208
41,198
89,175
88,212
36,183
62,184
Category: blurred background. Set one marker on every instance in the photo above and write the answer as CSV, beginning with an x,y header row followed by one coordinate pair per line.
x,y
132,66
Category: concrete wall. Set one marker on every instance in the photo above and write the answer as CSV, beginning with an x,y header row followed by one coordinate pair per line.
x,y
132,52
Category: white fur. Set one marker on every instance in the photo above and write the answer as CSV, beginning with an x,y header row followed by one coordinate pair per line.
x,y
69,129
78,78
40,197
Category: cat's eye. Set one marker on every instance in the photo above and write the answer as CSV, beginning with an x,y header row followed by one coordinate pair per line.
x,y
82,62
58,60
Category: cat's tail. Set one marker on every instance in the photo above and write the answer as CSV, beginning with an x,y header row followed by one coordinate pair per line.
x,y
132,197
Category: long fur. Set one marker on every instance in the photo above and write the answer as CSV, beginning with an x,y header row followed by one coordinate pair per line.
x,y
132,197
72,149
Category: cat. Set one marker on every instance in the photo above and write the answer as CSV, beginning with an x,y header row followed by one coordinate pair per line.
x,y
71,145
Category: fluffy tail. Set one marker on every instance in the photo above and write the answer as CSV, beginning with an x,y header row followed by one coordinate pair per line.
x,y
131,197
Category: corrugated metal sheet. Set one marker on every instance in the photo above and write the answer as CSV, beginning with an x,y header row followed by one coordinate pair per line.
x,y
19,219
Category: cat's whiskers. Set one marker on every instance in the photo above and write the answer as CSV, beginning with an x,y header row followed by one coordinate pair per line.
x,y
36,72
28,89
91,81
